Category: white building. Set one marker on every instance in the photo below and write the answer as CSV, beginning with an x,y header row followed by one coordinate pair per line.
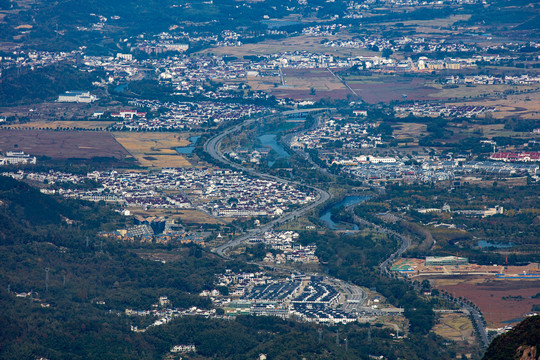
x,y
77,97
16,158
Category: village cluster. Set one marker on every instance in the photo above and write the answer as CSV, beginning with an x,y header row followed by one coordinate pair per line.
x,y
287,247
350,135
422,110
222,193
352,145
311,298
184,115
308,297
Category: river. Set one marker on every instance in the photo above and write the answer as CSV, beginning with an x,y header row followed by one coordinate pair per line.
x,y
270,140
347,201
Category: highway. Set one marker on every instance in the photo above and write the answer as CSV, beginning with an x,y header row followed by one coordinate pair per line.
x,y
212,148
476,315
355,296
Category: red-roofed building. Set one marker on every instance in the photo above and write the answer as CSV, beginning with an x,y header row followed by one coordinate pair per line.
x,y
510,156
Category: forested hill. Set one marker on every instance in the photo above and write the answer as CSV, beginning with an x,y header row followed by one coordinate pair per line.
x,y
522,342
42,84
27,215
77,311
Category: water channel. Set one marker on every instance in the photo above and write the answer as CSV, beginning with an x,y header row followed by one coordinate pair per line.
x,y
347,201
486,244
270,140
188,149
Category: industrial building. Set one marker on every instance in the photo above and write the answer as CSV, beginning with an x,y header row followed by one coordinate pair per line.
x,y
446,260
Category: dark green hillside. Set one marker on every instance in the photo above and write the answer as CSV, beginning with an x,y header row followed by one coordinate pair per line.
x,y
42,84
522,342
80,312
27,215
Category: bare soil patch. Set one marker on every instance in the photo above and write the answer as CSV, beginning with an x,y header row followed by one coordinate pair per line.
x,y
400,89
155,149
502,302
63,144
456,327
53,125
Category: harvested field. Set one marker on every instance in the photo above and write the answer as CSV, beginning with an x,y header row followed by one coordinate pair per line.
x,y
306,94
456,327
409,130
63,144
413,88
502,302
295,43
525,106
52,125
310,84
154,149
187,217
198,217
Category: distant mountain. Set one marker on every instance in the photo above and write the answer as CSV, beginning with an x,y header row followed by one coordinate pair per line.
x,y
522,342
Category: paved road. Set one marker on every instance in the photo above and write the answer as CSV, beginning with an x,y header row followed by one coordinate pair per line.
x,y
212,148
476,315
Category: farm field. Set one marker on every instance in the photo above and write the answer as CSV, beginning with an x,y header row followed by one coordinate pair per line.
x,y
63,144
186,216
456,327
291,44
154,149
409,131
503,302
52,125
392,89
385,88
525,106
310,84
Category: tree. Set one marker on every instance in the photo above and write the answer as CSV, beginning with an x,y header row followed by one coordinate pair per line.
x,y
386,53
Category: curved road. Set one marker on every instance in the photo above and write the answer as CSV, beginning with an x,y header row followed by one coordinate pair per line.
x,y
476,315
212,148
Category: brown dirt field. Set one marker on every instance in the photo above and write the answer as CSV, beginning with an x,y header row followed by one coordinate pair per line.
x,y
185,216
525,106
488,296
90,125
409,130
299,83
306,94
456,327
154,149
317,78
63,144
198,217
374,93
295,43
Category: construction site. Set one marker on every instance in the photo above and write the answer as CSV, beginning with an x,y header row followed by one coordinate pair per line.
x,y
505,294
455,265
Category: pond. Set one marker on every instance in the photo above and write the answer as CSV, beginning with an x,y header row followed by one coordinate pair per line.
x,y
188,149
486,244
121,87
